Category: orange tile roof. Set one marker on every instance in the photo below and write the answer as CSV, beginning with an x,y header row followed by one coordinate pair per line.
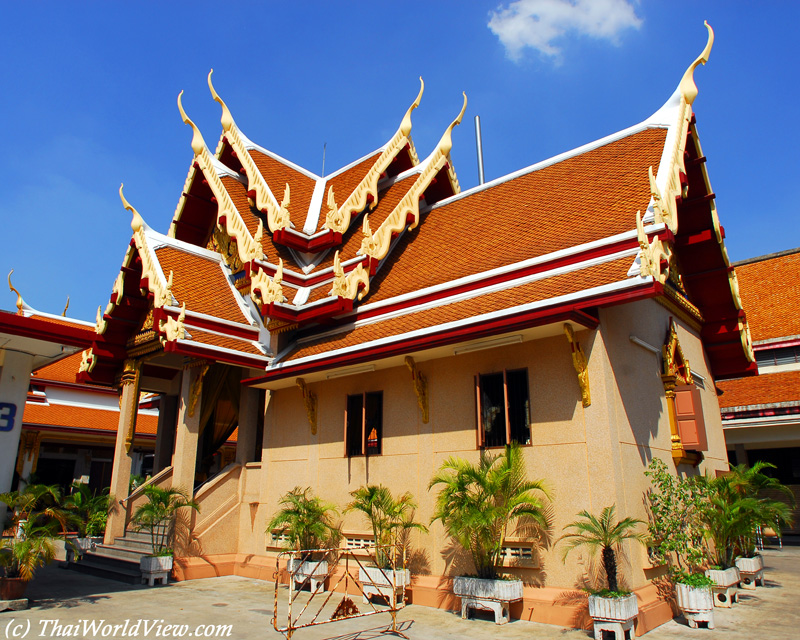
x,y
63,370
205,337
200,283
60,415
770,291
584,198
64,322
531,292
277,175
766,388
344,183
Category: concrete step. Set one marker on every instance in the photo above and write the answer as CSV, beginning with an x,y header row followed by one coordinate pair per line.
x,y
109,568
117,553
140,546
139,536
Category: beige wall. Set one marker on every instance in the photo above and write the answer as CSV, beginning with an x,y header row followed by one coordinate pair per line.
x,y
589,458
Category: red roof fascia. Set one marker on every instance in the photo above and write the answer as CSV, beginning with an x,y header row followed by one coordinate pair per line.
x,y
240,331
537,317
36,329
318,313
301,242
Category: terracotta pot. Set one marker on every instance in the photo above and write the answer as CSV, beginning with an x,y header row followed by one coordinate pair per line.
x,y
12,588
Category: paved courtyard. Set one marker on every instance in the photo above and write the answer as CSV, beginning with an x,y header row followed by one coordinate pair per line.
x,y
246,605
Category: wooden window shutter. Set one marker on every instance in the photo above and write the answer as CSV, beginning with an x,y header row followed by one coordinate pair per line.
x,y
689,414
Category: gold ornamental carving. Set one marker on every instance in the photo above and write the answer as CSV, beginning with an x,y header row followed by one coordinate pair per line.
x,y
264,200
264,289
88,361
376,246
334,219
652,255
310,403
580,363
29,443
420,388
173,329
13,289
131,375
347,286
221,243
367,190
196,388
228,217
675,369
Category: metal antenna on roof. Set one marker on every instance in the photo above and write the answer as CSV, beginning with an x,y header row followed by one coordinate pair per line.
x,y
324,145
479,144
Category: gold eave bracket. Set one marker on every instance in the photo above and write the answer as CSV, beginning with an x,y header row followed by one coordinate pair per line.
x,y
420,388
581,365
310,403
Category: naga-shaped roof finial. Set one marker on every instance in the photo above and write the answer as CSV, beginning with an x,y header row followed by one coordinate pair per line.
x,y
405,124
20,303
198,144
64,313
446,143
687,87
227,118
137,223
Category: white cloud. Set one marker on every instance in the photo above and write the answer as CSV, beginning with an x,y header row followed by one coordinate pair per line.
x,y
539,23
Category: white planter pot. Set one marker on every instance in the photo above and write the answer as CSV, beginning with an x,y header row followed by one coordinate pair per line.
x,y
488,595
724,577
694,599
750,565
501,590
155,564
613,609
374,576
317,569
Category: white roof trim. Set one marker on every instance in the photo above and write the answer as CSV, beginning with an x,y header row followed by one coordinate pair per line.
x,y
214,347
205,316
609,288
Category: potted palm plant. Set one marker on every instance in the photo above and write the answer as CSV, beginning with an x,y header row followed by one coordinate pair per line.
x,y
606,534
22,555
478,504
158,516
677,539
390,520
306,521
91,513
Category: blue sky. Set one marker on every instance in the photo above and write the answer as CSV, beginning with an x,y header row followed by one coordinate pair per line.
x,y
90,93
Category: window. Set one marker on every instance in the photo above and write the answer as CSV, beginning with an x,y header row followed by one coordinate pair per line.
x,y
689,415
363,424
779,356
503,408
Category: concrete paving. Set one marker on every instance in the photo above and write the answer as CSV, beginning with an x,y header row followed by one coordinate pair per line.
x,y
71,598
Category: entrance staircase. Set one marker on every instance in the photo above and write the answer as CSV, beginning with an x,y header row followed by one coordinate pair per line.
x,y
118,561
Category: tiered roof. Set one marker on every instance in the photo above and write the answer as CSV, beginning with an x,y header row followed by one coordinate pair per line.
x,y
270,266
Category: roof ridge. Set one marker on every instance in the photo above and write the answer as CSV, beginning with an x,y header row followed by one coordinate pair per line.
x,y
767,256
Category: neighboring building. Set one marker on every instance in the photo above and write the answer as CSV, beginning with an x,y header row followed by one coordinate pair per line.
x,y
364,326
761,416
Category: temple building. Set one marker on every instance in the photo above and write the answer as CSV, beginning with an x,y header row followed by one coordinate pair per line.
x,y
761,416
364,326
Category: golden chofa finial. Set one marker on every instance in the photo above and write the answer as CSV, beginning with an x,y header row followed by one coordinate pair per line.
x,y
405,125
687,87
136,222
198,144
227,118
446,143
20,303
66,306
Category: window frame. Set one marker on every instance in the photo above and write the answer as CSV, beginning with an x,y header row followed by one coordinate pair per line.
x,y
364,448
480,430
689,417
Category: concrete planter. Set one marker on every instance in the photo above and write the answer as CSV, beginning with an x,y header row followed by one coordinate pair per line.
x,y
383,582
311,571
613,609
726,583
751,571
696,603
155,568
750,565
77,547
487,595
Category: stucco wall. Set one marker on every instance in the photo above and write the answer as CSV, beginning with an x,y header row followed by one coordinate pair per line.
x,y
589,457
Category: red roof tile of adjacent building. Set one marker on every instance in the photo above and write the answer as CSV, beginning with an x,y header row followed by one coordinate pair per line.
x,y
63,370
767,388
770,292
60,415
